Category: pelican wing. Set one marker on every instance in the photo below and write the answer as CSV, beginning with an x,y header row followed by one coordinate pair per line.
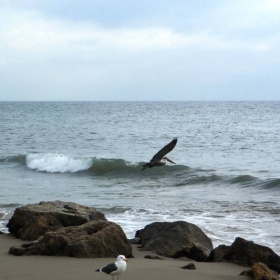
x,y
165,150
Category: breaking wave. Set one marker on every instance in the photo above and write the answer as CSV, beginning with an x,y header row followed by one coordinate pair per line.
x,y
60,163
13,160
181,174
57,163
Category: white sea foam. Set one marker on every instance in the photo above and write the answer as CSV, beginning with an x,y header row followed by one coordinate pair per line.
x,y
57,163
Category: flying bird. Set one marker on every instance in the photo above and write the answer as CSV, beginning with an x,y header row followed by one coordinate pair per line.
x,y
116,268
159,159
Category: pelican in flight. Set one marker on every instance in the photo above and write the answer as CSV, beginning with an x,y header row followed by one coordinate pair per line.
x,y
159,159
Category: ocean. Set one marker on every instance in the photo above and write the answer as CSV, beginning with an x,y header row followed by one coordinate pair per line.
x,y
226,179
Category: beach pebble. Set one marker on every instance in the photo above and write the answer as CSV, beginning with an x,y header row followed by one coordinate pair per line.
x,y
190,266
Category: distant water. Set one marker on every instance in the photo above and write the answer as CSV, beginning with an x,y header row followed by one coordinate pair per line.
x,y
226,180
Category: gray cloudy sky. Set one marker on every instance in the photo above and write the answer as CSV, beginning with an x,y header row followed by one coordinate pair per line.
x,y
139,50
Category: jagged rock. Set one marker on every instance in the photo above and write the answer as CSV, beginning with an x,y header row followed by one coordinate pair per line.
x,y
260,271
190,266
17,251
217,255
175,240
33,220
246,253
94,239
138,233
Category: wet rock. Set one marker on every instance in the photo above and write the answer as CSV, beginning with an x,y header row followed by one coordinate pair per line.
x,y
153,257
217,255
135,240
33,220
246,253
17,251
94,239
138,233
260,271
175,240
190,266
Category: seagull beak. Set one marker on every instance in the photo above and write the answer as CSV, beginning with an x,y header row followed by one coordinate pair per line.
x,y
170,160
126,260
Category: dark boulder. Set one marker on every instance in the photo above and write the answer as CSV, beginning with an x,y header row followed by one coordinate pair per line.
x,y
33,220
175,240
94,239
246,253
135,240
217,255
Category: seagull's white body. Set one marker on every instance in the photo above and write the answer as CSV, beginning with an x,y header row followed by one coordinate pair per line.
x,y
116,268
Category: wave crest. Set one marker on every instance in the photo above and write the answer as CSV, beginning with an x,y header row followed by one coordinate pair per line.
x,y
13,160
57,163
91,166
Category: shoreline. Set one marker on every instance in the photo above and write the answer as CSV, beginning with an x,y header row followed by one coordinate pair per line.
x,y
66,268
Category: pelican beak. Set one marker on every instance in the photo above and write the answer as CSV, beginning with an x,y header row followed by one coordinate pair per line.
x,y
144,166
170,160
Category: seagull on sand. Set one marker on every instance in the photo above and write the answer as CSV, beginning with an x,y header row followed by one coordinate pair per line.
x,y
116,268
159,159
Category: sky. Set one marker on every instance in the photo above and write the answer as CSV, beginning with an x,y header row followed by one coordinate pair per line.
x,y
148,50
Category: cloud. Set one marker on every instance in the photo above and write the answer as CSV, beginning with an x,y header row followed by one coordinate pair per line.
x,y
216,50
30,32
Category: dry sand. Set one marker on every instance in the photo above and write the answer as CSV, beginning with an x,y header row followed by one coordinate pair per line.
x,y
139,268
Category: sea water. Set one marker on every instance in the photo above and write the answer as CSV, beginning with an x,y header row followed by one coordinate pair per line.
x,y
226,178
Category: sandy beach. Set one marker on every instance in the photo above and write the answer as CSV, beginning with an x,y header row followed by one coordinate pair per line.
x,y
45,267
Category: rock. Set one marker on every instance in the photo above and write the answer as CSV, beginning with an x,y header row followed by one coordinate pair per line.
x,y
17,251
153,257
260,271
175,240
94,239
135,240
31,221
246,253
138,233
37,226
217,255
190,266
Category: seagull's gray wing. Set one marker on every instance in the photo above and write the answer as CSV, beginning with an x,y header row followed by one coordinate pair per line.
x,y
109,268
